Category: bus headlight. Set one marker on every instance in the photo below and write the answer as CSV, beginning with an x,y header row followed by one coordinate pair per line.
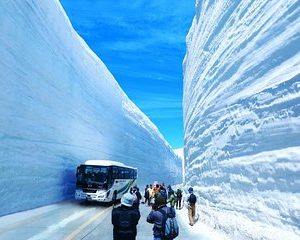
x,y
101,194
78,192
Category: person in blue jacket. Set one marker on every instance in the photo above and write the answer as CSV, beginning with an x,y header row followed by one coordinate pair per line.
x,y
157,218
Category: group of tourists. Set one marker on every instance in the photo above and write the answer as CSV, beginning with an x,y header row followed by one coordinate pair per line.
x,y
174,198
163,201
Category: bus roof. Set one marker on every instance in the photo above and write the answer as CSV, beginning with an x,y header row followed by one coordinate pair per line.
x,y
105,163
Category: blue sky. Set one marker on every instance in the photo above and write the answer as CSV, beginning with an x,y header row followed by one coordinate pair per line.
x,y
142,43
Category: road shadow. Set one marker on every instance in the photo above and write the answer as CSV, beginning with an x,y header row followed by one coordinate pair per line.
x,y
98,204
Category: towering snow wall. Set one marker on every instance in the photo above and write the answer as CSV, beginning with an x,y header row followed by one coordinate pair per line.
x,y
59,106
241,116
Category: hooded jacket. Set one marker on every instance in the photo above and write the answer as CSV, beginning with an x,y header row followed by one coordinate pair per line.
x,y
156,217
125,220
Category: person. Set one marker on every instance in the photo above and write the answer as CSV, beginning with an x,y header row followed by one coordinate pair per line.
x,y
125,219
156,188
178,198
156,217
192,199
169,187
163,191
135,191
146,194
172,199
151,194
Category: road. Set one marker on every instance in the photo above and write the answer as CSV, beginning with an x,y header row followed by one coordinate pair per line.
x,y
71,221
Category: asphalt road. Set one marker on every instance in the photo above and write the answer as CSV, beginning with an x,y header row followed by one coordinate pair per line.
x,y
71,221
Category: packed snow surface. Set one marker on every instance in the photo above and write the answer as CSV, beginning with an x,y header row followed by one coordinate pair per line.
x,y
60,106
241,116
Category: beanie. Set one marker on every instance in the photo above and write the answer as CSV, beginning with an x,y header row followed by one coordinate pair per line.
x,y
127,200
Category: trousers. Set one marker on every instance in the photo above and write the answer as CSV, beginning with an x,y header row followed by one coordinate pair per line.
x,y
192,212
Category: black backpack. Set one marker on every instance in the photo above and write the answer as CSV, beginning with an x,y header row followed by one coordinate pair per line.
x,y
192,199
163,193
147,194
179,194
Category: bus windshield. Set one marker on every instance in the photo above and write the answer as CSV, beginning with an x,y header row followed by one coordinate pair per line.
x,y
92,175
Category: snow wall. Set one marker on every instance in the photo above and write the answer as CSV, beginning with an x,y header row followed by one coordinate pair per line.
x,y
59,106
241,116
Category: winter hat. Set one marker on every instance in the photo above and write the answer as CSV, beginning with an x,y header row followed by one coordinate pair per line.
x,y
191,190
127,200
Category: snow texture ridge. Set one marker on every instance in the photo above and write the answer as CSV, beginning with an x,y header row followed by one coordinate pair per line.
x,y
59,106
241,116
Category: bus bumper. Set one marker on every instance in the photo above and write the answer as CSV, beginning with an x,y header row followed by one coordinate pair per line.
x,y
98,196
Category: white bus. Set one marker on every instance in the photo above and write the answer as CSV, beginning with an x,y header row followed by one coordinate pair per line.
x,y
103,180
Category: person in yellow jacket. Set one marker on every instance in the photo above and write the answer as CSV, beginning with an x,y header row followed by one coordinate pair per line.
x,y
151,194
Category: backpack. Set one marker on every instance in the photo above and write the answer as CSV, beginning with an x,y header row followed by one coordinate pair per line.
x,y
192,199
163,193
147,194
170,225
179,193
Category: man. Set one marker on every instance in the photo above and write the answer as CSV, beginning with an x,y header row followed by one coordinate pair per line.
x,y
192,199
135,191
178,198
152,196
125,219
156,188
169,189
157,218
150,191
146,194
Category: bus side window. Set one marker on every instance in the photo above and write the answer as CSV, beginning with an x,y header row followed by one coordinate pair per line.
x,y
135,173
131,174
122,171
110,176
115,172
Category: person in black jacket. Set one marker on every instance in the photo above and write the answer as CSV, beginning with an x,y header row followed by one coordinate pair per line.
x,y
146,194
125,219
192,199
137,196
